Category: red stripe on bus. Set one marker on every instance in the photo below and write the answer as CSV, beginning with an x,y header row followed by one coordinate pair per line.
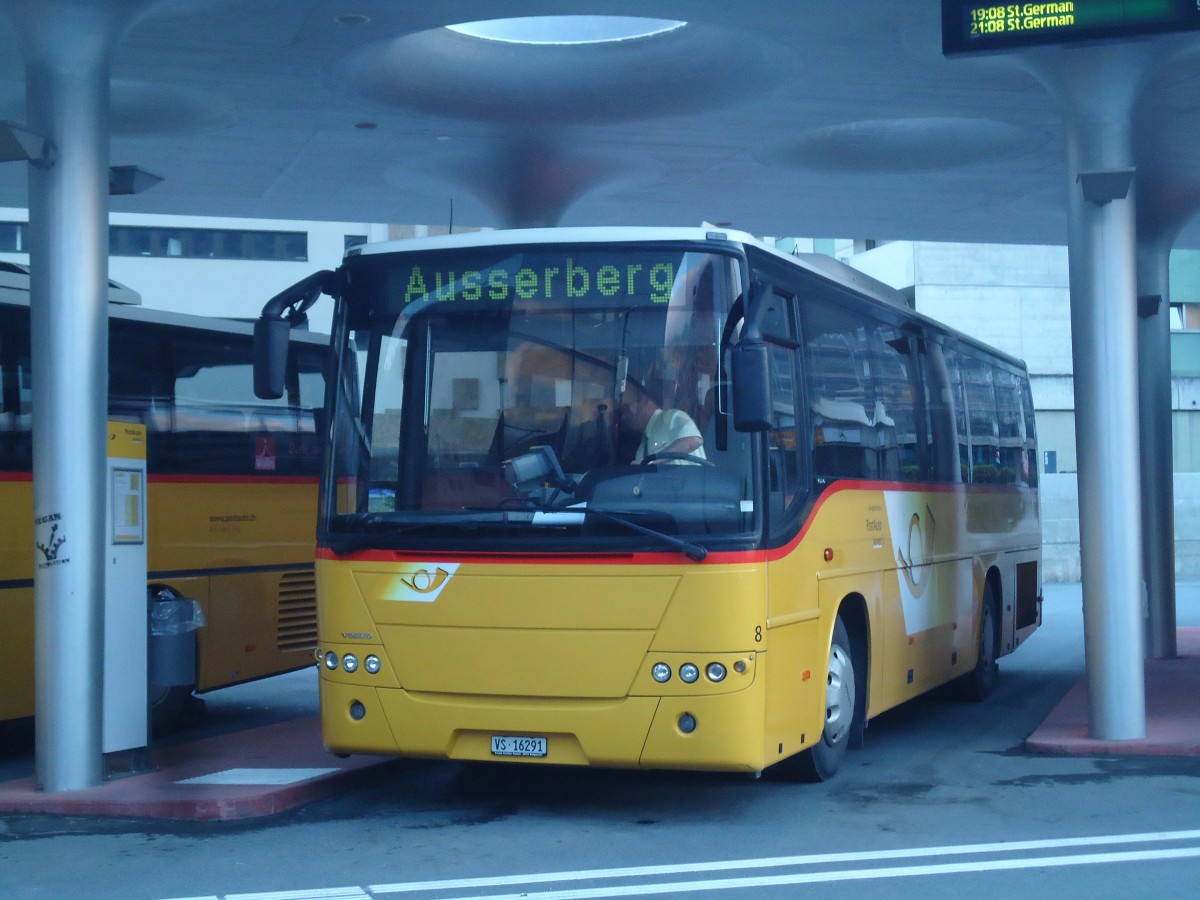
x,y
153,478
231,479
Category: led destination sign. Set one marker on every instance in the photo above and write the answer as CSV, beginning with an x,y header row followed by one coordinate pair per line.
x,y
972,27
573,279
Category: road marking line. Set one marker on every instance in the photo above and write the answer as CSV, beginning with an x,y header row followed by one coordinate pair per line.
x,y
338,893
783,861
258,776
717,884
835,875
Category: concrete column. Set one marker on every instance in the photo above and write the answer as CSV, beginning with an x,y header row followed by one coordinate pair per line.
x,y
1168,198
67,46
1097,87
1158,458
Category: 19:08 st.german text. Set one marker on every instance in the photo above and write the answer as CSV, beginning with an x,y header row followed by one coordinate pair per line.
x,y
1021,17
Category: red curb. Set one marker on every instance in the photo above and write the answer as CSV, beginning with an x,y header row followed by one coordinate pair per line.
x,y
159,794
1172,712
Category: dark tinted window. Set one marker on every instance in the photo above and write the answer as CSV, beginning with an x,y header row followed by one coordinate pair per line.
x,y
862,395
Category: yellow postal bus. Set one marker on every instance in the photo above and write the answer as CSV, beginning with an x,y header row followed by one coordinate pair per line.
x,y
660,498
231,492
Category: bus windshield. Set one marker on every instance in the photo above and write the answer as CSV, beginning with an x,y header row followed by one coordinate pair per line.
x,y
572,392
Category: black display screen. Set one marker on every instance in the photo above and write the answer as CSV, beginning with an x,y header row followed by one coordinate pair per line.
x,y
971,26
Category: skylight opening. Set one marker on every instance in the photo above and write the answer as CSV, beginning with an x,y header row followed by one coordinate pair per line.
x,y
566,30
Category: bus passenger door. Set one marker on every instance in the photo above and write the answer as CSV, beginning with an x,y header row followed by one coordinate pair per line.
x,y
922,508
943,455
794,637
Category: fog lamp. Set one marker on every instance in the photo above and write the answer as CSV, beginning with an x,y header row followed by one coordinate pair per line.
x,y
687,723
357,711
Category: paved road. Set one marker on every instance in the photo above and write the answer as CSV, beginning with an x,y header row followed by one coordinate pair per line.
x,y
941,802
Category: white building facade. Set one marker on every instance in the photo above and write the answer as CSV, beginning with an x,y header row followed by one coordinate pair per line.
x,y
211,266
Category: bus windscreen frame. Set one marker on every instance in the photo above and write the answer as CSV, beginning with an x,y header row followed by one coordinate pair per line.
x,y
498,351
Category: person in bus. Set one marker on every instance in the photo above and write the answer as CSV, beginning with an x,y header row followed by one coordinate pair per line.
x,y
663,430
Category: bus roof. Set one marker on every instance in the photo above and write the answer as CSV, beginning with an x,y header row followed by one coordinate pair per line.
x,y
569,235
818,263
168,319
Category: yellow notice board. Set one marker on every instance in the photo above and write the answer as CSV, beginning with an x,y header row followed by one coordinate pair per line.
x,y
127,442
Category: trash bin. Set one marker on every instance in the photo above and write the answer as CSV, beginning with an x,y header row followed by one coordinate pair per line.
x,y
172,642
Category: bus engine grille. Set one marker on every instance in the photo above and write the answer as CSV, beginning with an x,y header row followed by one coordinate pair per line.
x,y
297,612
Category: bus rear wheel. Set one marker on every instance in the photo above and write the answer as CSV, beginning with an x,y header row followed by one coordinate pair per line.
x,y
980,682
821,761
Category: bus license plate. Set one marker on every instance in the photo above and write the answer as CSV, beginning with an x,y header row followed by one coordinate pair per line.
x,y
507,745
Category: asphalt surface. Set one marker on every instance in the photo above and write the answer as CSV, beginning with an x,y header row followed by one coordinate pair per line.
x,y
945,797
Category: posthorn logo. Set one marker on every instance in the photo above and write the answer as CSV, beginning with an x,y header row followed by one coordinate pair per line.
x,y
420,582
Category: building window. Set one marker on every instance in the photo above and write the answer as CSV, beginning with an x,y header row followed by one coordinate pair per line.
x,y
14,237
1185,316
354,240
206,243
183,243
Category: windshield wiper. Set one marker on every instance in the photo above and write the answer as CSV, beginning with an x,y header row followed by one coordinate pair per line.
x,y
692,551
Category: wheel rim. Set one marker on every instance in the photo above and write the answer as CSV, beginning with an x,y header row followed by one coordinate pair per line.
x,y
987,638
839,695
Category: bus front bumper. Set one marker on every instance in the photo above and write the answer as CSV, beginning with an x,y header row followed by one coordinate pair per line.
x,y
718,732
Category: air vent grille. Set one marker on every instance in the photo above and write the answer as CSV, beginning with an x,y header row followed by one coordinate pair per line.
x,y
297,612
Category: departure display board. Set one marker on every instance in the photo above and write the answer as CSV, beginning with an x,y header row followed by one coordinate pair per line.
x,y
972,26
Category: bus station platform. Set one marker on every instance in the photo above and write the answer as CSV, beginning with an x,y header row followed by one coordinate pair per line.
x,y
1172,712
261,771
243,774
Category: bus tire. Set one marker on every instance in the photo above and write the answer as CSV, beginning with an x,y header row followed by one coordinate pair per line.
x,y
167,706
821,761
980,682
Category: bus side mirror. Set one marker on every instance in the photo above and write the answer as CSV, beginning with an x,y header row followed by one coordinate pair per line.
x,y
271,336
750,369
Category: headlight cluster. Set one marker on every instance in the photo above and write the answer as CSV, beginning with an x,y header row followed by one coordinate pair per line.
x,y
349,662
689,673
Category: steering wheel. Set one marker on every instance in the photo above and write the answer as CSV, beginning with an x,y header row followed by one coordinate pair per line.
x,y
682,457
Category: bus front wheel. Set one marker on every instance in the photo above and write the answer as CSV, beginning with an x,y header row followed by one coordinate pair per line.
x,y
822,760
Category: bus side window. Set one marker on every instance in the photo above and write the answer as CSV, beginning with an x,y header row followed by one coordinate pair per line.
x,y
138,388
16,396
985,462
841,395
944,402
1031,457
897,421
1011,427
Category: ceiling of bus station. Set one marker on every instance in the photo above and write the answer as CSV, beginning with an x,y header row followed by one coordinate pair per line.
x,y
820,118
